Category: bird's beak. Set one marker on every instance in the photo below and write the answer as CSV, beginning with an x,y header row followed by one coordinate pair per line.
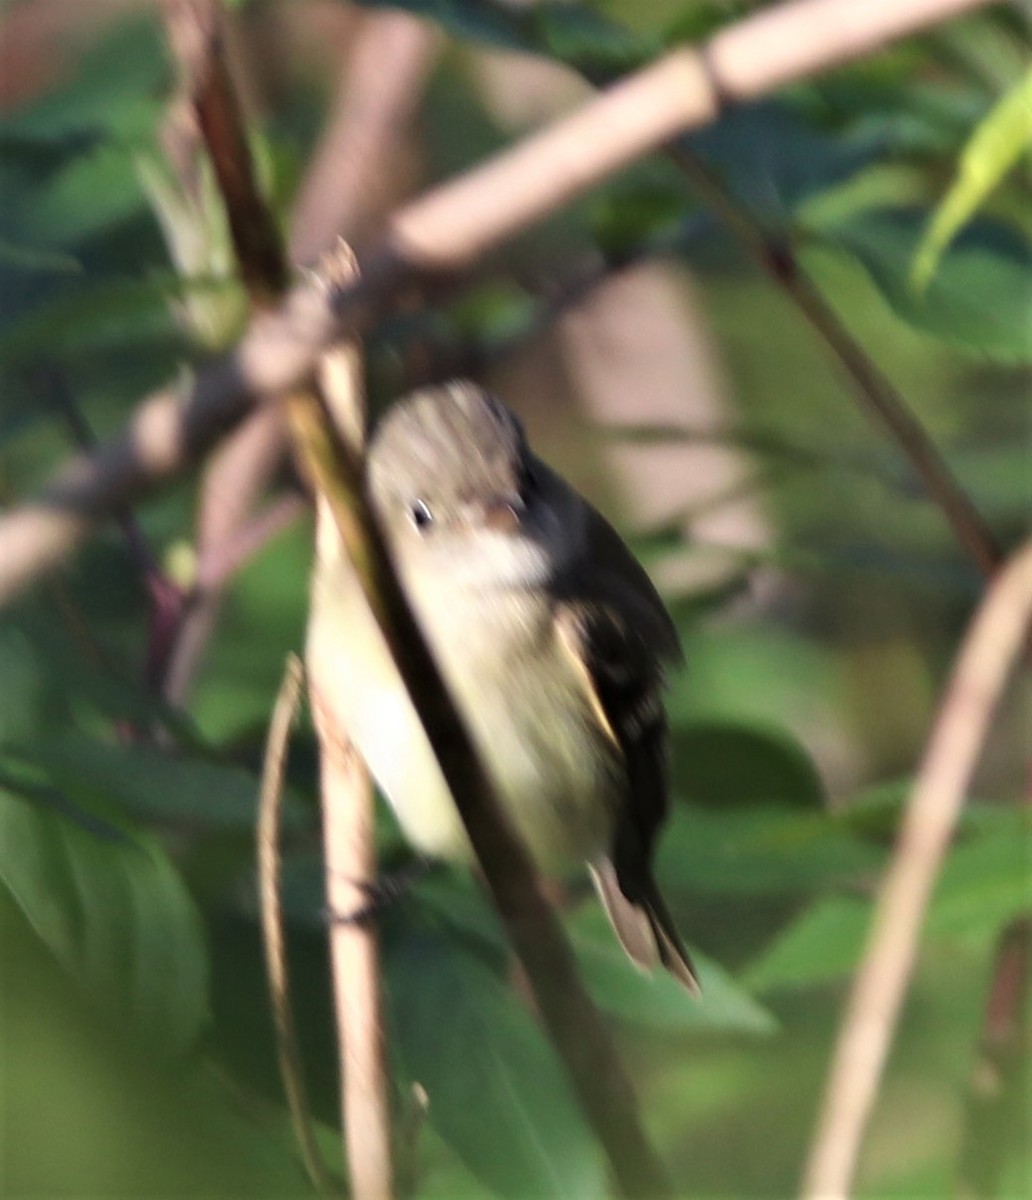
x,y
502,514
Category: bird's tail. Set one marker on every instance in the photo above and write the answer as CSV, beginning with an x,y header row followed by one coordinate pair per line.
x,y
644,926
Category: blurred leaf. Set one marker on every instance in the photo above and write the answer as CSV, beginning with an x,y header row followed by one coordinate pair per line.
x,y
115,89
117,917
658,1001
115,311
24,699
998,478
87,1111
905,115
493,24
30,258
992,150
773,159
760,850
590,42
152,784
985,882
695,21
823,944
724,764
980,296
497,1094
92,192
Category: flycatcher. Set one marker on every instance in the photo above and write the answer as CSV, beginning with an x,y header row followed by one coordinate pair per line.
x,y
550,636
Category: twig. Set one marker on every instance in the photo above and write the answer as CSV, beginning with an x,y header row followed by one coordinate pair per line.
x,y
198,41
343,184
236,551
445,230
349,847
166,598
874,389
273,939
349,819
240,469
997,1091
990,648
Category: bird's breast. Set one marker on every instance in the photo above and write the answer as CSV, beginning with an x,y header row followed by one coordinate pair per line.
x,y
525,705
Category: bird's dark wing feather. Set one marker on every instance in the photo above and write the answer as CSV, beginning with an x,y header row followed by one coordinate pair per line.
x,y
620,637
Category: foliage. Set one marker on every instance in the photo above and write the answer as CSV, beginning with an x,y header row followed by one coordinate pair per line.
x,y
126,866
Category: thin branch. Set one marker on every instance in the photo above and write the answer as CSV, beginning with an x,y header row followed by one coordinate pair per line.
x,y
997,1092
444,231
197,37
345,183
349,818
273,938
243,464
237,550
874,389
994,641
241,467
349,822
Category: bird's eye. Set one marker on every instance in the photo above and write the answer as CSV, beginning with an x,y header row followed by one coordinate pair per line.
x,y
420,513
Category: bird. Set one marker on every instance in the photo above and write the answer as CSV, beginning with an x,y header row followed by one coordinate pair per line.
x,y
550,636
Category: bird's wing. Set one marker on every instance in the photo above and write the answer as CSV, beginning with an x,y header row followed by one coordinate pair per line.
x,y
618,633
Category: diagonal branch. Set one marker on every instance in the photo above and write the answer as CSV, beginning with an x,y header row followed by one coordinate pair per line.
x,y
874,390
196,34
240,468
446,230
994,641
270,871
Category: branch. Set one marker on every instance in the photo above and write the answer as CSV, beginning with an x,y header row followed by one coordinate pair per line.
x,y
444,231
992,644
344,184
875,390
349,817
349,822
196,34
997,1090
241,467
273,938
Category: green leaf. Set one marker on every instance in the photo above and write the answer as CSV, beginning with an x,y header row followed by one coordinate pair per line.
x,y
591,43
497,1094
760,851
985,882
92,192
822,945
773,159
150,783
29,258
493,24
992,151
719,764
116,915
117,311
115,89
979,298
657,1000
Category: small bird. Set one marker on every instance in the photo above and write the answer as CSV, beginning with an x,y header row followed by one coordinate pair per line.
x,y
550,636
